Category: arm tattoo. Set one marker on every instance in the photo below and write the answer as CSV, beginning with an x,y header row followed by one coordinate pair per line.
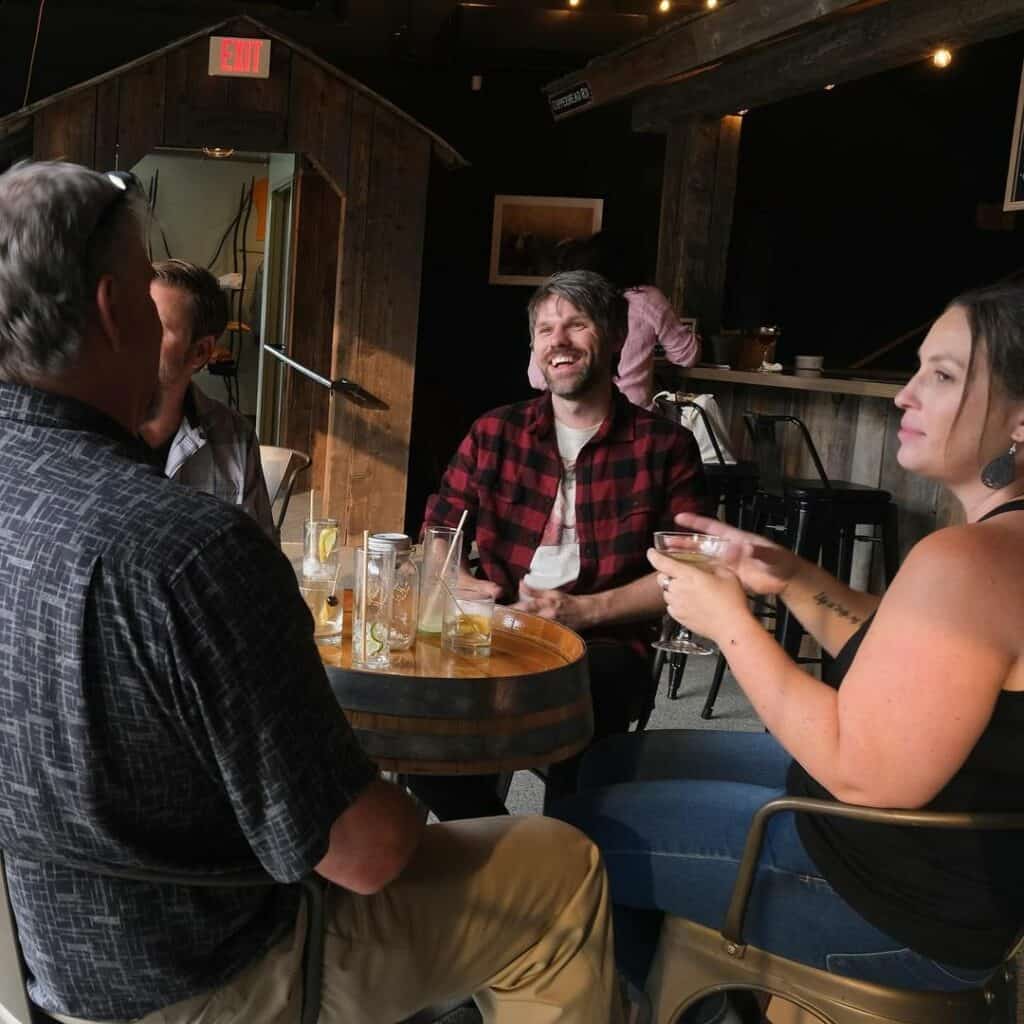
x,y
825,601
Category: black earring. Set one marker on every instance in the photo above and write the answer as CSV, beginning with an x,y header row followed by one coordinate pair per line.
x,y
1002,470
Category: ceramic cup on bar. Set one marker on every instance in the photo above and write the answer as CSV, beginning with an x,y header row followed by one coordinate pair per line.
x,y
371,634
438,541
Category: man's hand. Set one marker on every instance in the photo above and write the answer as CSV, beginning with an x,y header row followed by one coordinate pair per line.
x,y
572,610
470,582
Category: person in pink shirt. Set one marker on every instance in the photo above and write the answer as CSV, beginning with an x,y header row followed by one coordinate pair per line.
x,y
652,321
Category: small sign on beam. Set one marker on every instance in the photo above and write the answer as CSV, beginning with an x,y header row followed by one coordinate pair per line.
x,y
239,57
578,96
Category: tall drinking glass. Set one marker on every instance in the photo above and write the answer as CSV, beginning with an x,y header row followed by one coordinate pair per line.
x,y
371,608
438,545
320,549
701,550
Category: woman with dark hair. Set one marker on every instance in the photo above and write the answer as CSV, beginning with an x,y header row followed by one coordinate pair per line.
x,y
924,708
652,320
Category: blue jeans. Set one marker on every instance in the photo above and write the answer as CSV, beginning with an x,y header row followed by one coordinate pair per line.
x,y
670,811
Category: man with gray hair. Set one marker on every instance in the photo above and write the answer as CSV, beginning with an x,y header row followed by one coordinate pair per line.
x,y
202,443
564,493
165,709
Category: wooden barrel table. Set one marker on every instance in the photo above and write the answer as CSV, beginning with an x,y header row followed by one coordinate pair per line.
x,y
432,711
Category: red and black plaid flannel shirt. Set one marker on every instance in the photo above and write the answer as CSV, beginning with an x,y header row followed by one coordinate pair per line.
x,y
636,473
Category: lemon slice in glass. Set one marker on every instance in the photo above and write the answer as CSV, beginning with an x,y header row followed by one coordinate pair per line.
x,y
326,542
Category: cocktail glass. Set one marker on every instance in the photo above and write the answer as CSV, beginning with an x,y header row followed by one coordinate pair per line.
x,y
701,550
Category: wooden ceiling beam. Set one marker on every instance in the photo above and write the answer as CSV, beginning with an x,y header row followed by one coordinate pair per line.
x,y
687,46
887,36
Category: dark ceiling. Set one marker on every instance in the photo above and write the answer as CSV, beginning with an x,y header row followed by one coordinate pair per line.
x,y
83,38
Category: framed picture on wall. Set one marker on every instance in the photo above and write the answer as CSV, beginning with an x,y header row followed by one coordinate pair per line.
x,y
1015,177
527,230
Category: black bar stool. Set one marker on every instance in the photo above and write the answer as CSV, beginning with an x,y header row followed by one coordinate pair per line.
x,y
817,519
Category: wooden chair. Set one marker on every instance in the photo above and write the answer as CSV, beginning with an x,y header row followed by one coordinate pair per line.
x,y
694,962
280,468
14,1001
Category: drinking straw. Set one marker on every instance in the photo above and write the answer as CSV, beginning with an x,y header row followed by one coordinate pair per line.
x,y
362,596
312,496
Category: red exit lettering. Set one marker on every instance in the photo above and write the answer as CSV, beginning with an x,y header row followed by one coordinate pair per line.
x,y
240,56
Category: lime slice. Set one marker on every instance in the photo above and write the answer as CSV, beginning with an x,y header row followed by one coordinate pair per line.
x,y
326,542
378,634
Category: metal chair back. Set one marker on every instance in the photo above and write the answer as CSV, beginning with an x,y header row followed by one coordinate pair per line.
x,y
763,429
280,468
694,962
13,981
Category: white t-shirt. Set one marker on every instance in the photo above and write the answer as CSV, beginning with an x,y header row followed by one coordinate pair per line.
x,y
556,561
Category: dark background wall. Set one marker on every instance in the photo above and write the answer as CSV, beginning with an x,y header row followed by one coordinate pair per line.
x,y
857,209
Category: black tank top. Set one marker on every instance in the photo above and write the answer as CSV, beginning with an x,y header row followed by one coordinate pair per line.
x,y
957,897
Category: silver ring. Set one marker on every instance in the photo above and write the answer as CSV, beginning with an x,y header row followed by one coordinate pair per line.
x,y
663,582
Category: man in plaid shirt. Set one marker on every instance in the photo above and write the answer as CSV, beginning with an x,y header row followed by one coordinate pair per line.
x,y
564,493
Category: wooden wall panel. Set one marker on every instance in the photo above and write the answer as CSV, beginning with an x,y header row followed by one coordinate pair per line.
x,y
108,102
346,425
320,120
698,190
315,271
140,124
377,320
66,130
244,113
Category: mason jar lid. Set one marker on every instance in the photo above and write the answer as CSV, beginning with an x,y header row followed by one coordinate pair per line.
x,y
397,542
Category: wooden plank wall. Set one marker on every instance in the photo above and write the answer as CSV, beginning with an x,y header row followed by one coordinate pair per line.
x,y
698,190
317,213
360,215
377,316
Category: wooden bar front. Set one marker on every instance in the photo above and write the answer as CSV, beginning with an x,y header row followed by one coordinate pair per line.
x,y
853,424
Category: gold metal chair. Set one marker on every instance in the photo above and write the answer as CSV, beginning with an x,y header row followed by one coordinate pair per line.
x,y
694,962
15,1003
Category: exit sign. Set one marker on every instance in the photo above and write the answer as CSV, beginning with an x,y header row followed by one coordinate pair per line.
x,y
237,57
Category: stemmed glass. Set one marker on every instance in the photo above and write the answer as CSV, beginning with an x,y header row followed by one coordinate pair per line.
x,y
701,550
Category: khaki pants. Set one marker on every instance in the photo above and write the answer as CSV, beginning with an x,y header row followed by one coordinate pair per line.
x,y
512,910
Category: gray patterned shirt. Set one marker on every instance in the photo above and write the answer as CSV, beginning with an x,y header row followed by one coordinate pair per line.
x,y
162,705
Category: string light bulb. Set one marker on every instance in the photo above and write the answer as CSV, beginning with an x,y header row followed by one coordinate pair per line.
x,y
711,4
830,86
574,3
665,6
942,58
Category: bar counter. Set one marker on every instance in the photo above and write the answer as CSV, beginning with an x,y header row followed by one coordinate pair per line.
x,y
854,424
845,384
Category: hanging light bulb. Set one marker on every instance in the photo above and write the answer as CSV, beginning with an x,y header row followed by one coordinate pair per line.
x,y
574,3
942,58
830,86
665,6
711,4
742,111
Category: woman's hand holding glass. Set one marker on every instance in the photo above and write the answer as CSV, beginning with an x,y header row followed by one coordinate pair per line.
x,y
762,566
